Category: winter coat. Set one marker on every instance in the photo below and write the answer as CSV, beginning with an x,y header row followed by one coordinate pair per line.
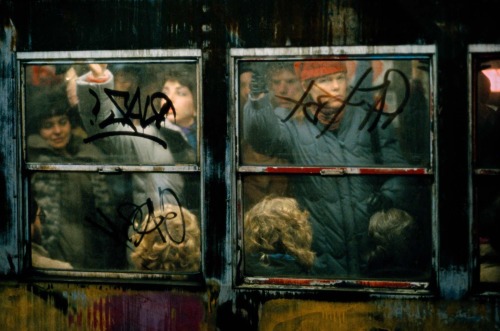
x,y
339,205
125,146
80,224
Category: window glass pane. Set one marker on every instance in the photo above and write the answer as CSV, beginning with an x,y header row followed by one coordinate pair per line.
x,y
133,113
488,213
485,83
335,112
488,113
131,221
353,226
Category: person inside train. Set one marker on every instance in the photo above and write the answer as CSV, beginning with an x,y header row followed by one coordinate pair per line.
x,y
167,240
285,90
394,235
77,205
40,257
330,134
179,84
277,238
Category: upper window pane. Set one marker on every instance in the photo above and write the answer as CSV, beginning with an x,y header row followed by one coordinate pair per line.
x,y
133,108
487,103
383,100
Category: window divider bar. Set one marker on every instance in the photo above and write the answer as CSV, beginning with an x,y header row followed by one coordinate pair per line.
x,y
335,171
111,168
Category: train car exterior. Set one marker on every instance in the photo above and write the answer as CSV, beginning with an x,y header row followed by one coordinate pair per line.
x,y
252,165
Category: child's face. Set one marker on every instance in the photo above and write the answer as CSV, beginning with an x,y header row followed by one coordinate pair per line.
x,y
56,130
331,89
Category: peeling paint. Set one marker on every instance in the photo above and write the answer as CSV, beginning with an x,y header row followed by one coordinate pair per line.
x,y
99,308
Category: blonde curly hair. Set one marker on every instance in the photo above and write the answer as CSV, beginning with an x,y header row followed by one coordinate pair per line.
x,y
169,241
278,225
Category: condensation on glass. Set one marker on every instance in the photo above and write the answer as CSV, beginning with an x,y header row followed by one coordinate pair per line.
x,y
334,165
484,69
112,162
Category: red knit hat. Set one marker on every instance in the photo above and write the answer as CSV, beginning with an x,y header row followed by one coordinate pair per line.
x,y
314,69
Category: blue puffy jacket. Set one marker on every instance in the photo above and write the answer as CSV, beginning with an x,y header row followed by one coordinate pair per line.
x,y
339,205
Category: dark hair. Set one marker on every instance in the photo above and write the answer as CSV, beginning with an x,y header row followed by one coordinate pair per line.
x,y
184,74
245,67
276,67
47,103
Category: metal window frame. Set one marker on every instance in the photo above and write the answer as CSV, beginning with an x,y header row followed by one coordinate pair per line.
x,y
108,56
334,52
474,52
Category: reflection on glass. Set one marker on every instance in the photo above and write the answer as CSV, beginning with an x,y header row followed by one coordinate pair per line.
x,y
87,220
134,113
488,115
336,113
362,227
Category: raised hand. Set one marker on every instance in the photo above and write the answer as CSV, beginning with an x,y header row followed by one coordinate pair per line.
x,y
257,85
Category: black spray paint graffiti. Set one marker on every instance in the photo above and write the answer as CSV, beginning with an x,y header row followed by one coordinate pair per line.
x,y
134,216
128,115
140,221
377,106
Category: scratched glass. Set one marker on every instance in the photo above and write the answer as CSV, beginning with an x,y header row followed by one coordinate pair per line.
x,y
97,222
357,231
357,107
136,113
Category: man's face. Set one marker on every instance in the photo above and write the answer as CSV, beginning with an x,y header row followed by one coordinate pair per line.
x,y
332,90
56,130
285,83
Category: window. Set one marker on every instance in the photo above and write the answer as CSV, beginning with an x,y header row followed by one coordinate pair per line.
x,y
112,169
484,61
334,166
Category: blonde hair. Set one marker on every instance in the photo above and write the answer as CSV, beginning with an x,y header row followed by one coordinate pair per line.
x,y
169,240
278,225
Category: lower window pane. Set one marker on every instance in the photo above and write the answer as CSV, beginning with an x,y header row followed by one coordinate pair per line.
x,y
353,226
89,221
488,212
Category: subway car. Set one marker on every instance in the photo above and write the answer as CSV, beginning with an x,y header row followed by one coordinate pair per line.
x,y
252,165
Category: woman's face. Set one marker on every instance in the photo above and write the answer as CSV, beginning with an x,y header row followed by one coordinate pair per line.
x,y
183,101
56,130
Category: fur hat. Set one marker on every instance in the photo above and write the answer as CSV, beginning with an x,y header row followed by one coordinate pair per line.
x,y
314,69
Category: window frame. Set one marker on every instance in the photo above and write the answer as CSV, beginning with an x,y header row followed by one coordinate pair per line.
x,y
477,52
160,56
362,52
